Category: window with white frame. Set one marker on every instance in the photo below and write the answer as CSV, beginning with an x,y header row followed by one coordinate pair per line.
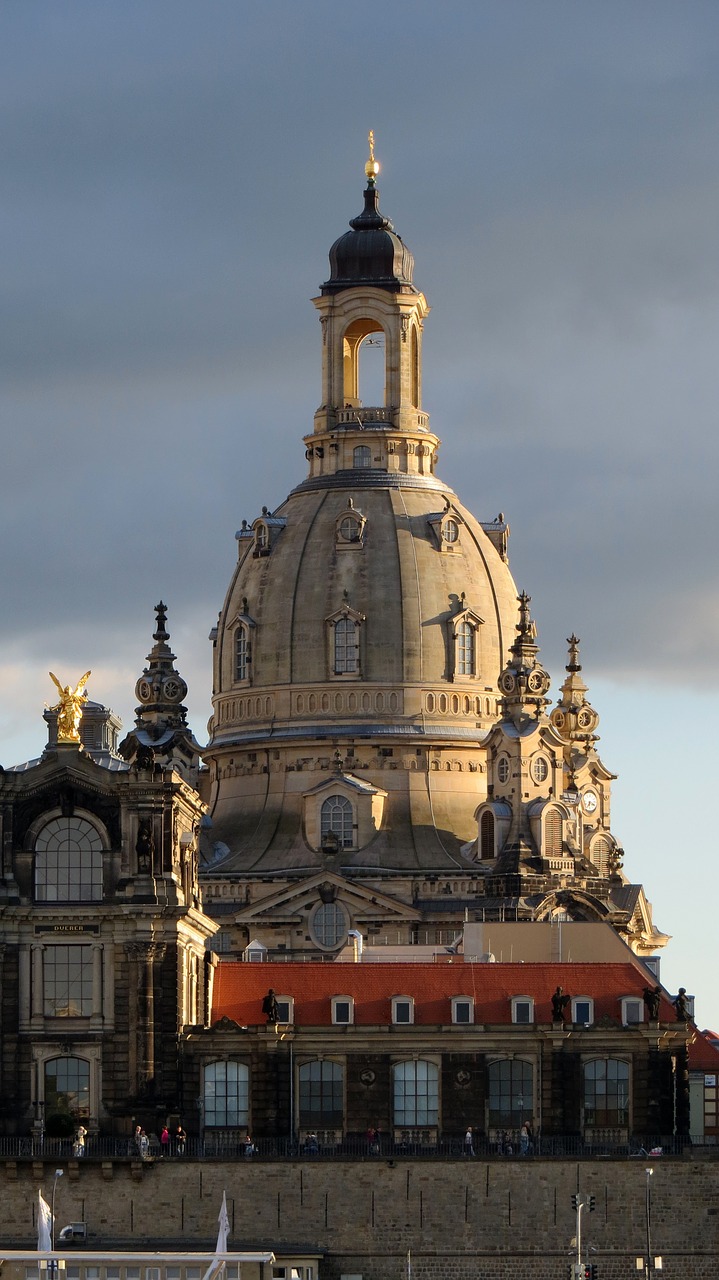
x,y
226,1094
346,647
285,1009
466,637
242,653
342,1010
522,1010
68,861
416,1093
582,1010
632,1011
462,1009
402,1010
262,537
337,816
503,769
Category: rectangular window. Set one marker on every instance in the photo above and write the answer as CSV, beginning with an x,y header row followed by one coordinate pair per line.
x,y
522,1011
402,1012
67,981
632,1012
462,1011
342,1012
284,1010
582,1012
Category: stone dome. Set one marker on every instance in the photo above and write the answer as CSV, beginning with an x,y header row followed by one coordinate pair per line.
x,y
359,647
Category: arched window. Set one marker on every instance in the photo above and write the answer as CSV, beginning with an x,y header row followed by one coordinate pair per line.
x,y
600,854
465,649
416,1093
68,862
329,924
553,834
321,1095
242,653
486,835
606,1092
262,537
337,816
511,1092
346,640
226,1094
67,1087
362,456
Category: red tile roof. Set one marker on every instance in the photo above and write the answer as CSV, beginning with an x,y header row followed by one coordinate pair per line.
x,y
704,1052
239,988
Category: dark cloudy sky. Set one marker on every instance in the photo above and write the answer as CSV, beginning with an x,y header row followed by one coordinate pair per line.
x,y
171,177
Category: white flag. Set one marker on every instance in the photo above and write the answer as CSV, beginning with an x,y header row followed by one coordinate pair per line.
x,y
44,1225
216,1267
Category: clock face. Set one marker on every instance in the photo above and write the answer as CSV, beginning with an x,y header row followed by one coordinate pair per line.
x,y
590,800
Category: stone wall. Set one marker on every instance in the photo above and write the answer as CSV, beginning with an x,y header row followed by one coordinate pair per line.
x,y
461,1220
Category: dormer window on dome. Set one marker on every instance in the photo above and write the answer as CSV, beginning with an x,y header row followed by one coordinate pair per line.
x,y
447,529
464,636
349,527
343,636
265,532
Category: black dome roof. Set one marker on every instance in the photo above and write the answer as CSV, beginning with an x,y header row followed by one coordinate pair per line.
x,y
371,253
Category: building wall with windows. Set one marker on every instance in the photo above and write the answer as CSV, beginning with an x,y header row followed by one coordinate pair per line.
x,y
421,1051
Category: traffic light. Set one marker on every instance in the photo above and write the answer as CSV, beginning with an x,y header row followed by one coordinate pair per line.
x,y
575,1202
590,1205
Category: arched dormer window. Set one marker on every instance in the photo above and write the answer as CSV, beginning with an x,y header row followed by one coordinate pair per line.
x,y
343,635
465,644
552,833
242,652
466,659
68,861
262,537
361,456
600,854
486,836
346,638
337,817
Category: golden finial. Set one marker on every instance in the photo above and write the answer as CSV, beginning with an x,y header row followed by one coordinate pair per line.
x,y
371,168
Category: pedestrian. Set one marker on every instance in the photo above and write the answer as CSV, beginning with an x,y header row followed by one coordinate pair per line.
x,y
144,1145
469,1141
165,1141
249,1146
524,1140
138,1135
78,1146
180,1140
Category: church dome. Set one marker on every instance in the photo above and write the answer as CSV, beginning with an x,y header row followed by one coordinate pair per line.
x,y
369,616
371,253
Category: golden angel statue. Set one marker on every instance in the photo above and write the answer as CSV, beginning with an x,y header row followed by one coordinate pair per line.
x,y
69,708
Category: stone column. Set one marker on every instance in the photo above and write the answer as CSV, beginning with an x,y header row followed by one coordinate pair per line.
x,y
144,954
96,1014
37,1009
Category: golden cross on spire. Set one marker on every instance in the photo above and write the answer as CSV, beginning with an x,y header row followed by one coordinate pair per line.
x,y
371,168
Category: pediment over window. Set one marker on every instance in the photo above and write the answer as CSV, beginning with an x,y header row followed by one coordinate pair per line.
x,y
292,899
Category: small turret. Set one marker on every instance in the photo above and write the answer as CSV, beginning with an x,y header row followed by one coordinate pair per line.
x,y
574,718
162,735
524,681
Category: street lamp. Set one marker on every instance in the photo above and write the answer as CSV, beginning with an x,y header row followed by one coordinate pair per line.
x,y
58,1174
648,1210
